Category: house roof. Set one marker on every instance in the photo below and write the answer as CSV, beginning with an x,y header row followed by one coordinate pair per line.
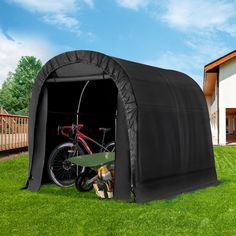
x,y
211,72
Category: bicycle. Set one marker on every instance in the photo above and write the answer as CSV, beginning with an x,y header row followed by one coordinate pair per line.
x,y
60,170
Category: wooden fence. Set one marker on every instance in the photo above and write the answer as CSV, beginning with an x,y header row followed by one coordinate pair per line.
x,y
13,131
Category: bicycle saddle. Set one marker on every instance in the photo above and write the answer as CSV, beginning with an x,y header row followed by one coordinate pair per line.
x,y
104,129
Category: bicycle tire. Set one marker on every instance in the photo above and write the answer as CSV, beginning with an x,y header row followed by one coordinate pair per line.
x,y
111,147
60,170
80,182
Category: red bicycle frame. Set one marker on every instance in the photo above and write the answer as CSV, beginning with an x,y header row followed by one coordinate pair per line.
x,y
80,136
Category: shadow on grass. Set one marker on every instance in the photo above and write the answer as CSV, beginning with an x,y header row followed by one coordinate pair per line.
x,y
69,192
72,194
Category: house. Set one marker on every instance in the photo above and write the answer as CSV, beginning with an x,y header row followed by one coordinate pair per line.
x,y
219,87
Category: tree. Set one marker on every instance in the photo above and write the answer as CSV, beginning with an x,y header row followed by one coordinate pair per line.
x,y
16,90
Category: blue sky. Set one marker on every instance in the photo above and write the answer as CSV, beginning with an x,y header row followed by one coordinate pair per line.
x,y
183,35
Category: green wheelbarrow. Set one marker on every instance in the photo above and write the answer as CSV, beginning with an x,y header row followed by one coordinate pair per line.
x,y
92,162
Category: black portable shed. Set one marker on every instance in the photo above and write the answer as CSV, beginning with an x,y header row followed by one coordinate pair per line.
x,y
163,136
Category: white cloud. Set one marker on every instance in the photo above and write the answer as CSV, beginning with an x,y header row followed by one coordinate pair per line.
x,y
55,12
193,15
186,63
201,51
62,20
90,3
190,15
133,4
46,6
202,23
209,46
11,51
91,37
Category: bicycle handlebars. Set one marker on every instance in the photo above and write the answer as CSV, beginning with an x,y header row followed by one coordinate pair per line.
x,y
71,128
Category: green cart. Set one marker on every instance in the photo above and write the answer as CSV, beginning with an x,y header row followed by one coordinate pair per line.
x,y
92,162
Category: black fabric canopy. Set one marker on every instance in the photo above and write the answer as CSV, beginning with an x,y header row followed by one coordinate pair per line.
x,y
163,136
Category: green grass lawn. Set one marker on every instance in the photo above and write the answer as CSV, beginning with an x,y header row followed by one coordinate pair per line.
x,y
59,211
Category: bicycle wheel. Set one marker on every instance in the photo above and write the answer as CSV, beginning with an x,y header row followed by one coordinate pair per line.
x,y
81,182
110,147
60,170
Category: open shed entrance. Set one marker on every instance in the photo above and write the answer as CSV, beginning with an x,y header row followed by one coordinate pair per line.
x,y
98,108
231,126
